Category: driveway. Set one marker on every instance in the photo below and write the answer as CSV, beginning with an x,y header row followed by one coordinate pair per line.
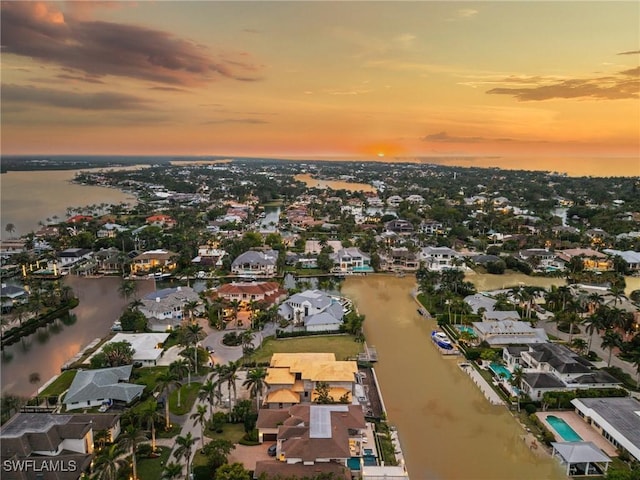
x,y
250,455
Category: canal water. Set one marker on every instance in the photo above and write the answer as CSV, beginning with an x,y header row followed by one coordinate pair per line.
x,y
45,351
447,429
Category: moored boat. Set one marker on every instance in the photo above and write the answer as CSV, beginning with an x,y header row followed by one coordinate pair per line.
x,y
441,339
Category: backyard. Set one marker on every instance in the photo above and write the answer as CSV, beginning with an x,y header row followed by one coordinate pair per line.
x,y
344,346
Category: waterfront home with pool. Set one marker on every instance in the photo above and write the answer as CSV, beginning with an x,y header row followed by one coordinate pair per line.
x,y
554,367
617,419
508,332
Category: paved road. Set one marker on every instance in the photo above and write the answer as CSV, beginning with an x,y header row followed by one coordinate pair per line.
x,y
222,354
596,345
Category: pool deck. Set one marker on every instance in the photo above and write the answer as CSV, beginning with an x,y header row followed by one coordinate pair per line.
x,y
482,384
585,431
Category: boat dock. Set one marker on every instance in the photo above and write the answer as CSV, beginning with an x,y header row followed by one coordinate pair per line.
x,y
370,354
486,389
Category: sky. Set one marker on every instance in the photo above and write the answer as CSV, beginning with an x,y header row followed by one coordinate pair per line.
x,y
321,79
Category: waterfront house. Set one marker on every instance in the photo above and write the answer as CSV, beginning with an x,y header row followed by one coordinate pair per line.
x,y
351,260
269,293
209,256
103,386
399,226
615,418
164,308
508,332
539,258
147,347
292,378
591,259
440,258
12,295
255,263
72,256
154,261
553,367
480,300
109,260
400,259
314,309
630,257
313,435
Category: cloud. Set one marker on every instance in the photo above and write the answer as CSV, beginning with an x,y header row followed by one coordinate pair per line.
x,y
99,48
630,52
17,94
250,121
405,40
624,84
466,12
86,78
444,137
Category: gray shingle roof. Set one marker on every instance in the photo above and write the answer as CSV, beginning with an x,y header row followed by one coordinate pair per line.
x,y
105,383
622,413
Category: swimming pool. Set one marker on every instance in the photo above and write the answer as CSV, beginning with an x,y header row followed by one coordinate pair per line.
x,y
466,328
354,462
500,371
567,433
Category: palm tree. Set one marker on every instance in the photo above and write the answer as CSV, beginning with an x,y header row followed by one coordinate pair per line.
x,y
127,289
148,416
129,440
255,383
516,380
10,228
220,371
171,470
108,462
207,392
185,445
200,416
190,307
595,323
611,340
235,307
179,369
618,294
164,382
192,334
231,376
579,344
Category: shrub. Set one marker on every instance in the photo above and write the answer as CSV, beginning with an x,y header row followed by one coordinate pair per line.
x,y
530,408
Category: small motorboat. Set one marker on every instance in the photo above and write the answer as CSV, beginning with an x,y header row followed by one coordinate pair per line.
x,y
441,339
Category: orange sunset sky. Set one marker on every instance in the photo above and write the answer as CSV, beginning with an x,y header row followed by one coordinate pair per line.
x,y
325,79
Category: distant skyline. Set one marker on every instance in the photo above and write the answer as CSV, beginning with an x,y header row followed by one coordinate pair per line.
x,y
321,79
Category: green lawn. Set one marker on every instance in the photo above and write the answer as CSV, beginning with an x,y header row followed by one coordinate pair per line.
x,y
344,347
151,468
232,432
147,376
188,395
60,384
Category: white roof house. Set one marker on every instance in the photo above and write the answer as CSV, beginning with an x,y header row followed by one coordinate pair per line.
x,y
506,332
315,309
147,346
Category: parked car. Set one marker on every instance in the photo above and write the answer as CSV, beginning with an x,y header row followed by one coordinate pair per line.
x,y
272,450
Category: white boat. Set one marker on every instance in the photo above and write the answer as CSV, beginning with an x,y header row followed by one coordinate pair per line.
x,y
441,339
